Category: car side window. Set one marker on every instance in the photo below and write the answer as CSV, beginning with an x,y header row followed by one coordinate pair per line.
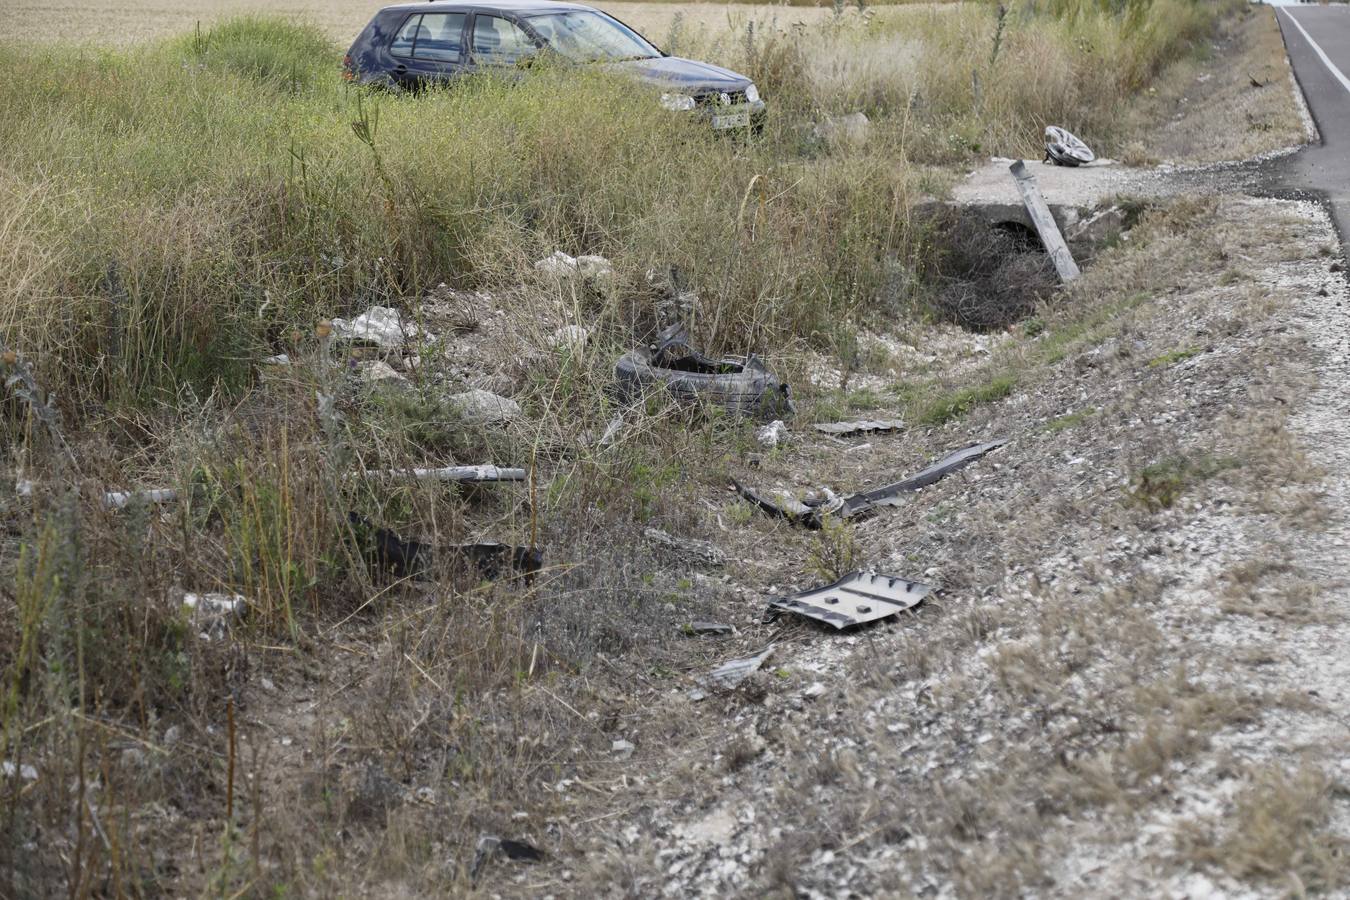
x,y
407,35
498,41
440,37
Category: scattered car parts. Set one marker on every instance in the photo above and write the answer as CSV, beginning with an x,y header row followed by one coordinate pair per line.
x,y
780,506
863,426
855,599
740,385
1063,149
889,495
730,674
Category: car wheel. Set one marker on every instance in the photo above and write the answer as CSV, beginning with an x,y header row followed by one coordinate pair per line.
x,y
741,386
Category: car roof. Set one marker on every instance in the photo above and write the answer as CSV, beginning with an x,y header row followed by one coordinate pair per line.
x,y
515,6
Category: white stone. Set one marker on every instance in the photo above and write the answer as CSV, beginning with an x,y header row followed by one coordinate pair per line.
x,y
850,129
380,325
377,371
622,749
479,407
571,337
771,435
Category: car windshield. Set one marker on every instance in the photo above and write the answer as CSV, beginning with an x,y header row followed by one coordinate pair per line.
x,y
586,36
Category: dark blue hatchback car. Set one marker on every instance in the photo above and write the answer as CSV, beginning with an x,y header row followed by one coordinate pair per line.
x,y
422,44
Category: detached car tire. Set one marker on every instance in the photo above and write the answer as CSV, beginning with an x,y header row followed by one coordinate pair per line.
x,y
740,385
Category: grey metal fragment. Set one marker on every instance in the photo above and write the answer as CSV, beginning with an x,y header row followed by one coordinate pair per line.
x,y
862,426
779,505
855,599
889,494
730,674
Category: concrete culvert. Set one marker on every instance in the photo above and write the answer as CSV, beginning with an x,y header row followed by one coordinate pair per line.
x,y
984,277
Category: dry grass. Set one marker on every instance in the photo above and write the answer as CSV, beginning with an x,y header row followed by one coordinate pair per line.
x,y
1277,832
380,726
132,21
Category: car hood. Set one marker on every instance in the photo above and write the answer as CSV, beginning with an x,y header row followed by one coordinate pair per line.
x,y
682,74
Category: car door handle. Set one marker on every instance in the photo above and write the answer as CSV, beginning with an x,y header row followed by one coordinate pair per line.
x,y
400,68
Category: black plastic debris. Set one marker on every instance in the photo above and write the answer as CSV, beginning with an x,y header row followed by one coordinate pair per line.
x,y
385,552
490,845
700,628
389,555
864,426
889,495
493,560
855,599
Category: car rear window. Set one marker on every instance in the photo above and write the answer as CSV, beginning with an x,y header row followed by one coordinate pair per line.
x,y
438,37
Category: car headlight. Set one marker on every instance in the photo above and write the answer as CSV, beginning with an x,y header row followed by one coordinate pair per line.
x,y
752,94
677,102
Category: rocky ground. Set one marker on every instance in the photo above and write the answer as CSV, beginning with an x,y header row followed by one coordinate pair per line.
x,y
1130,677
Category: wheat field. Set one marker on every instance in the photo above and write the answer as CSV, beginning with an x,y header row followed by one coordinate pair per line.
x,y
129,21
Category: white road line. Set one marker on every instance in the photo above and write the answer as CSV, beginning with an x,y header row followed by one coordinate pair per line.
x,y
1326,60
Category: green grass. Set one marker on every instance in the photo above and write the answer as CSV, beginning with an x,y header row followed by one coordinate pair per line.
x,y
1160,485
1174,356
1071,420
951,406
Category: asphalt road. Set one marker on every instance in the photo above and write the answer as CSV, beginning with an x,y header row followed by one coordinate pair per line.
x,y
1318,41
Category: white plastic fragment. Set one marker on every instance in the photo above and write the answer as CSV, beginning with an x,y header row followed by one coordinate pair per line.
x,y
622,749
212,614
281,359
25,771
730,674
119,499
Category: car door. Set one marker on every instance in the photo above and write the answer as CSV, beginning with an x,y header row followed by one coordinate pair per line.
x,y
498,43
428,49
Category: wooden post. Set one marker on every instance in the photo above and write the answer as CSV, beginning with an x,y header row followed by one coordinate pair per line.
x,y
1044,222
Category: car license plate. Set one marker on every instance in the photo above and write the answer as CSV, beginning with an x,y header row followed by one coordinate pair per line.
x,y
734,120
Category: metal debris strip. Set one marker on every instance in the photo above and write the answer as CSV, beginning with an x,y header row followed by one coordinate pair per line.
x,y
451,473
863,426
704,552
730,674
855,599
780,506
889,495
698,627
